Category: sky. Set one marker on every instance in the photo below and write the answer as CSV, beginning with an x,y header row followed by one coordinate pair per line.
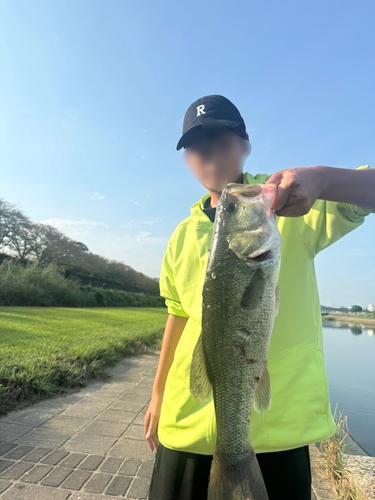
x,y
93,96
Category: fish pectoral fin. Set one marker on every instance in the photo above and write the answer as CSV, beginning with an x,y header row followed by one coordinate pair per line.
x,y
200,385
262,396
277,299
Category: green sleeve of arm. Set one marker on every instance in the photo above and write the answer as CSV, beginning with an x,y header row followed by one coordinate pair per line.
x,y
329,221
167,284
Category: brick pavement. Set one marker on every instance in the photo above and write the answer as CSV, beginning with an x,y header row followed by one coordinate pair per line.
x,y
85,445
88,444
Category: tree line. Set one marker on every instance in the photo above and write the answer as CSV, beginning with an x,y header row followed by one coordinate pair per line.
x,y
24,241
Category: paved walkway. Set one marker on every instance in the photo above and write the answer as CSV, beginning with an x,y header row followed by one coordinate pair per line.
x,y
89,444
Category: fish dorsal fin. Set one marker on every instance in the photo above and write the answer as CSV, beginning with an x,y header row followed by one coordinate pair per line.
x,y
262,396
200,385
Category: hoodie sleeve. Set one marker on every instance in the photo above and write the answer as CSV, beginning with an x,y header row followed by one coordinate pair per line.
x,y
328,221
167,284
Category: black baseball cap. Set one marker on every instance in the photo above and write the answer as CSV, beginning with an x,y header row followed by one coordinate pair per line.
x,y
209,112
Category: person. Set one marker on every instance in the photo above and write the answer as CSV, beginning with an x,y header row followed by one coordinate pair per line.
x,y
314,207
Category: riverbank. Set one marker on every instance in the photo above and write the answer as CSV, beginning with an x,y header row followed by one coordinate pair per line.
x,y
349,319
344,464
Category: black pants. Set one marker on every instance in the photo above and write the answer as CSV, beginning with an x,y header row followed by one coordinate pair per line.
x,y
179,475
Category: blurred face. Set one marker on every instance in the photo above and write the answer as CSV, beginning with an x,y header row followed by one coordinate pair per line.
x,y
216,158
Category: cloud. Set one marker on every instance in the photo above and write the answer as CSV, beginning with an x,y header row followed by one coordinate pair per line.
x,y
136,203
77,230
142,251
97,196
144,157
147,222
59,223
63,223
142,235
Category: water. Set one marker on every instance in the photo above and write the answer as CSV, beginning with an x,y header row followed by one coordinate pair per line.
x,y
350,361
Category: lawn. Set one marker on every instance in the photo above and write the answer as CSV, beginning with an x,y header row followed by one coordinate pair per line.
x,y
45,349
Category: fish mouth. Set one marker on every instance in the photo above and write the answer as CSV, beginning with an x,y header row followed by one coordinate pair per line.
x,y
247,194
267,255
266,252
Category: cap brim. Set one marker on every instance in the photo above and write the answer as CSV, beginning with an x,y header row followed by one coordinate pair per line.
x,y
209,123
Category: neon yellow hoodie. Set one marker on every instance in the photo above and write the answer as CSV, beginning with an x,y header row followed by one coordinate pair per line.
x,y
300,411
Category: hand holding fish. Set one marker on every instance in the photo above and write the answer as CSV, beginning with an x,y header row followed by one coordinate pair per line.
x,y
297,190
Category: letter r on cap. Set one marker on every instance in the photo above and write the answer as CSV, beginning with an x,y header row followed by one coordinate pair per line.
x,y
200,110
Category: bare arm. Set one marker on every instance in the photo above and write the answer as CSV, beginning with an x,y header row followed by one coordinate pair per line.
x,y
298,188
349,186
173,330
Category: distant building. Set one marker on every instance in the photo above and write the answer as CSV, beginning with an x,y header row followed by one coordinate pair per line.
x,y
370,308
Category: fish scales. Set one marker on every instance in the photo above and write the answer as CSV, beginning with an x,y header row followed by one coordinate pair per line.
x,y
235,346
240,302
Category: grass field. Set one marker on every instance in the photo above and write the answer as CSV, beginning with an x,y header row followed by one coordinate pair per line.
x,y
45,349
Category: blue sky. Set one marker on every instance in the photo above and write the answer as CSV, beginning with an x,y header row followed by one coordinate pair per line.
x,y
93,94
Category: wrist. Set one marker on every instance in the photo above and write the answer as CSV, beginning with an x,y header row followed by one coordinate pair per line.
x,y
157,395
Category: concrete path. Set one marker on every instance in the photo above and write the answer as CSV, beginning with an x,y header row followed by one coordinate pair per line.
x,y
89,444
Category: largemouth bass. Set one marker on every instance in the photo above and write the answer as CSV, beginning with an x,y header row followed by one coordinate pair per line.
x,y
240,303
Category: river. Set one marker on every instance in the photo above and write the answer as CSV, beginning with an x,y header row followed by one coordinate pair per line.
x,y
350,361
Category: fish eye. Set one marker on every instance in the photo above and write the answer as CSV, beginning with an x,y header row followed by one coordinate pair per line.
x,y
230,207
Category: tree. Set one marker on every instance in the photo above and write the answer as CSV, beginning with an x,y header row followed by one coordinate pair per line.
x,y
5,209
21,235
50,245
25,240
356,309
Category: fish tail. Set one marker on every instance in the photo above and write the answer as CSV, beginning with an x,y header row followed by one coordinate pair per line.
x,y
240,481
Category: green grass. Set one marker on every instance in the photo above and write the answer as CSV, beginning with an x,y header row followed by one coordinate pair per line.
x,y
334,459
45,349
